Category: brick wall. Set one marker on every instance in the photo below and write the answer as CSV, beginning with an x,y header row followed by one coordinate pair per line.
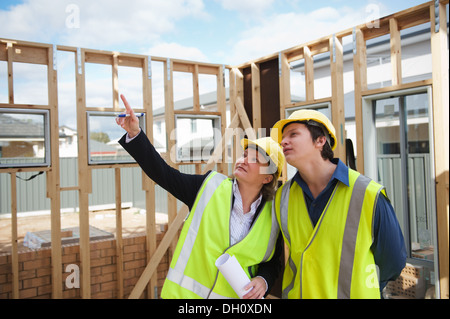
x,y
35,280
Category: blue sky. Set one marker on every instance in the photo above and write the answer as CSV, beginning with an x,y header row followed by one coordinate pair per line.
x,y
227,32
217,31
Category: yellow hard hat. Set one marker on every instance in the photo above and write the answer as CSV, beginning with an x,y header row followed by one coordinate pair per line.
x,y
312,117
271,148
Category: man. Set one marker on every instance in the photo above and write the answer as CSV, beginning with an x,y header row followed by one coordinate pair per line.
x,y
343,236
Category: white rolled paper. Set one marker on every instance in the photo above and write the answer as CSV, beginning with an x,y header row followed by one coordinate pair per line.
x,y
233,273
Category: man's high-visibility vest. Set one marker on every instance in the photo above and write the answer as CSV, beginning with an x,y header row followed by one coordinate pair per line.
x,y
333,259
206,236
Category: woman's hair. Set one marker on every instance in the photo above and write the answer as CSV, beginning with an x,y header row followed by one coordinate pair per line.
x,y
268,190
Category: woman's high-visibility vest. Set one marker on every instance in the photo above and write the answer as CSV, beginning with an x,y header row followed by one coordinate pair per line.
x,y
333,259
206,236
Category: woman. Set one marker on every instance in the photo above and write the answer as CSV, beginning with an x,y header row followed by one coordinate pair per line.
x,y
226,215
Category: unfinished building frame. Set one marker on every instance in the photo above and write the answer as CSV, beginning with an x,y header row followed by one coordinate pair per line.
x,y
259,96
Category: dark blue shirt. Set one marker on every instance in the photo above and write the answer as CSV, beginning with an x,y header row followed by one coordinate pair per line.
x,y
388,244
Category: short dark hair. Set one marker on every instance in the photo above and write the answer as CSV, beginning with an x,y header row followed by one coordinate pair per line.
x,y
316,132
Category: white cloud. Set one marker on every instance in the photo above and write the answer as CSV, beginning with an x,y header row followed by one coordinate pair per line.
x,y
247,6
177,51
282,31
96,24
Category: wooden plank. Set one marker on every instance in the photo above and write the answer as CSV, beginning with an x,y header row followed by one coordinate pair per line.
x,y
284,83
53,178
14,249
131,60
170,131
195,87
360,78
147,184
337,96
85,258
396,52
256,96
372,30
3,51
285,94
222,108
30,54
115,82
309,74
321,46
84,179
92,56
10,54
193,113
232,101
119,239
397,87
439,51
189,67
24,106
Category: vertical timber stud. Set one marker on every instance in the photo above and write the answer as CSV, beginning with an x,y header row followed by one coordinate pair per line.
x,y
119,239
170,140
84,177
147,184
439,51
222,108
360,74
256,98
10,57
337,95
396,52
115,80
285,91
309,74
14,250
53,176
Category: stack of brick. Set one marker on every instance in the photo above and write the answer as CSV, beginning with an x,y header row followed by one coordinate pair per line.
x,y
410,284
35,279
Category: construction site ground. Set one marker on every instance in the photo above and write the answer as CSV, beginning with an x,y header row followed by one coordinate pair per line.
x,y
133,223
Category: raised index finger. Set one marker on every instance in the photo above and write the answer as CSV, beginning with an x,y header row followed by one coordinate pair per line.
x,y
127,105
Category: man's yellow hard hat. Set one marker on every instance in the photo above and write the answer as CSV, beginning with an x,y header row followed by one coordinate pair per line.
x,y
271,148
311,117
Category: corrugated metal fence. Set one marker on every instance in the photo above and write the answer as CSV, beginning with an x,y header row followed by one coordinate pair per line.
x,y
31,195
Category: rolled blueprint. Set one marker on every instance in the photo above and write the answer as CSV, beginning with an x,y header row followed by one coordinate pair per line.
x,y
233,273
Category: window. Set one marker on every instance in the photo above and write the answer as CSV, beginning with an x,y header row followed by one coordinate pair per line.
x,y
397,130
24,138
196,136
103,139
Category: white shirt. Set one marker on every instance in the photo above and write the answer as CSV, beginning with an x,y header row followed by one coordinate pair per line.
x,y
240,223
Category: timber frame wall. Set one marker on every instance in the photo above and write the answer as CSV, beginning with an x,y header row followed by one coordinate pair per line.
x,y
259,96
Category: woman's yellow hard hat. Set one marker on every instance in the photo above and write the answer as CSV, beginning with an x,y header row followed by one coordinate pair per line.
x,y
271,148
312,117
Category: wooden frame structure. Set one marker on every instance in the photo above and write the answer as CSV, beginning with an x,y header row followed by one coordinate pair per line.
x,y
257,88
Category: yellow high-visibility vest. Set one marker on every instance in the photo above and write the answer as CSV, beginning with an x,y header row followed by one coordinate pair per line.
x,y
333,259
206,236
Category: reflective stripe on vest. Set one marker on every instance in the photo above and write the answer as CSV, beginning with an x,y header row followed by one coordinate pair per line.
x,y
349,238
176,272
